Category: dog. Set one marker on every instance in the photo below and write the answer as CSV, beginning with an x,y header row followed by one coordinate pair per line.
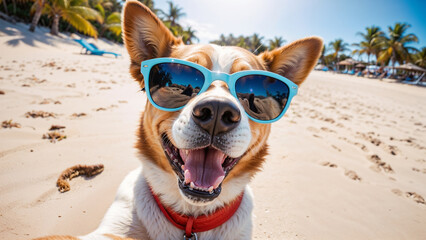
x,y
200,153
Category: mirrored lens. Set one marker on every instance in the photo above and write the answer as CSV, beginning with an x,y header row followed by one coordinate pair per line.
x,y
262,97
172,85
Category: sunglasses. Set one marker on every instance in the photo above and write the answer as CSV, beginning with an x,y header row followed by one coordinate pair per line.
x,y
171,83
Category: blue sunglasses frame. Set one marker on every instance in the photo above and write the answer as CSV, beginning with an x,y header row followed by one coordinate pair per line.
x,y
210,76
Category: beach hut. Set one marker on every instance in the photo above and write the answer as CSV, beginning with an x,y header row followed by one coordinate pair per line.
x,y
410,67
347,62
410,78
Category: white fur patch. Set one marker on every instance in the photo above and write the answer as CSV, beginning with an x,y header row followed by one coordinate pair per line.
x,y
187,134
135,213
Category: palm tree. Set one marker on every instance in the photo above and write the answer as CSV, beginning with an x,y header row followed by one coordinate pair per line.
x,y
276,43
370,43
188,35
5,6
395,46
256,44
38,8
73,12
338,46
420,58
111,23
175,12
323,52
148,3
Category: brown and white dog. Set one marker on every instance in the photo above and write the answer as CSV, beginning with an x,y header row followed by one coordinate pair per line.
x,y
135,213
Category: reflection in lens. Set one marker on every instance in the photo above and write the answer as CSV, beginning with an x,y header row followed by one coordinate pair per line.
x,y
172,85
262,97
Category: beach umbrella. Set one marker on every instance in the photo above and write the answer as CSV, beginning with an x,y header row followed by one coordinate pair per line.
x,y
410,67
347,62
360,65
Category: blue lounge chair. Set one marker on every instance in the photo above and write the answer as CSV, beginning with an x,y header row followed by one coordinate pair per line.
x,y
92,49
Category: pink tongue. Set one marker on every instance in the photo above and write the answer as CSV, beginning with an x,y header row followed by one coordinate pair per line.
x,y
204,168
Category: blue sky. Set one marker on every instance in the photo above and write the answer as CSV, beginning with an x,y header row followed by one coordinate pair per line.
x,y
294,19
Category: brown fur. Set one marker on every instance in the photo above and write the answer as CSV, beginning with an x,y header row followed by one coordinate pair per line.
x,y
75,171
293,61
146,37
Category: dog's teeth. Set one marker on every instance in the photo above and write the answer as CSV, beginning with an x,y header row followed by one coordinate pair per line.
x,y
191,185
218,181
183,167
187,176
210,189
186,152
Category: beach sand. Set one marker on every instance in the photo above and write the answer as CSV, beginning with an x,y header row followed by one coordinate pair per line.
x,y
348,161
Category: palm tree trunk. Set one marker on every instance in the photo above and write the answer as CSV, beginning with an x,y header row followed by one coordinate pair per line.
x,y
14,6
103,29
55,25
37,15
5,7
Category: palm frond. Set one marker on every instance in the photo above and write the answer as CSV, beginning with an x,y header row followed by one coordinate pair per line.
x,y
61,3
86,13
114,28
79,23
114,17
78,3
101,10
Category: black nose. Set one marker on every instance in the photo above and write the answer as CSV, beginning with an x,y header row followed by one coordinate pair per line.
x,y
216,116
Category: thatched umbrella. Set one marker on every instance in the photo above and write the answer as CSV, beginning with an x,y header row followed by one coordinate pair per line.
x,y
410,67
360,65
347,62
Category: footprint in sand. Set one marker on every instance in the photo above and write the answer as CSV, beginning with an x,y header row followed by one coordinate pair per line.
x,y
412,195
379,164
416,197
418,170
330,120
329,164
2,92
77,115
48,101
326,129
313,129
371,137
335,147
352,175
349,173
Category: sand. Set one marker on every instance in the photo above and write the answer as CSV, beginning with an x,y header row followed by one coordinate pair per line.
x,y
348,161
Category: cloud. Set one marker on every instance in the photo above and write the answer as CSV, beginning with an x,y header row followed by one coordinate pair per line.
x,y
204,32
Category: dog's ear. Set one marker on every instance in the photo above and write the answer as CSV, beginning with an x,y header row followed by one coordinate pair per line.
x,y
294,61
145,36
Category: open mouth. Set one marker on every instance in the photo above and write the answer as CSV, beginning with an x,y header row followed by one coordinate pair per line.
x,y
200,171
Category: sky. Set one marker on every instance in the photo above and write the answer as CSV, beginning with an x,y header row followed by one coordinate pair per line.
x,y
295,19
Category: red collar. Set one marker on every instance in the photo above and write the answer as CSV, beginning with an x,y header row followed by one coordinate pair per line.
x,y
201,223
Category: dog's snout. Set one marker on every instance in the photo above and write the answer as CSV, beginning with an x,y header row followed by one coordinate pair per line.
x,y
216,116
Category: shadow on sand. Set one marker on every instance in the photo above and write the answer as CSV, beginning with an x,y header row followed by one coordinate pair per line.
x,y
21,35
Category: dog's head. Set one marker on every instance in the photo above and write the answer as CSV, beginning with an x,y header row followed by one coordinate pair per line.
x,y
210,145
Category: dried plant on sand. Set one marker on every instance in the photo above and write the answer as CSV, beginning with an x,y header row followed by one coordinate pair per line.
x,y
75,171
10,124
